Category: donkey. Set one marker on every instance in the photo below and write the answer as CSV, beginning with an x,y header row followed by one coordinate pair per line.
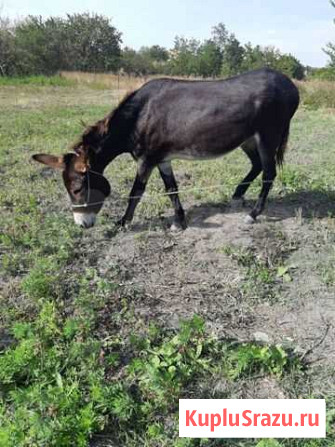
x,y
170,119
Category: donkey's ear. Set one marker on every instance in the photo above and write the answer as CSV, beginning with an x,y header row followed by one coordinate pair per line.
x,y
50,160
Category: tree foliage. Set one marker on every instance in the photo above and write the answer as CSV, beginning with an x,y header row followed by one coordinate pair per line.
x,y
233,54
7,48
93,44
156,53
40,45
89,42
223,55
185,57
43,46
136,63
258,57
330,48
210,60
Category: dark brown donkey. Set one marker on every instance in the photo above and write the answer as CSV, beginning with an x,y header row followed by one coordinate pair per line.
x,y
167,119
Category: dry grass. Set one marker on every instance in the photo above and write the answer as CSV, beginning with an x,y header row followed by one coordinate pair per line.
x,y
317,93
314,93
105,80
115,81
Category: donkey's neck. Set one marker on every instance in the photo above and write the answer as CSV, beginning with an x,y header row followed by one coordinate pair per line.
x,y
119,137
108,154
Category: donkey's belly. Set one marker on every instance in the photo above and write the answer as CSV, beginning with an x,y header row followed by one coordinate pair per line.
x,y
198,153
189,154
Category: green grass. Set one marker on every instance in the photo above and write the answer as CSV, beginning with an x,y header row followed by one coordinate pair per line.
x,y
80,361
55,391
36,81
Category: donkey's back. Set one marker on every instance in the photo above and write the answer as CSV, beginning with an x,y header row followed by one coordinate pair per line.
x,y
204,119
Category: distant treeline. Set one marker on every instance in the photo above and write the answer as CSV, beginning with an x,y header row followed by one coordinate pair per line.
x,y
81,42
89,42
221,55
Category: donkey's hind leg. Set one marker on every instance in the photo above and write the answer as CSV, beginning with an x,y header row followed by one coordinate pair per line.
x,y
166,172
267,146
250,148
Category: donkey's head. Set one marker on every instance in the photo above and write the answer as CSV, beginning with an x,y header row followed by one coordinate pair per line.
x,y
85,184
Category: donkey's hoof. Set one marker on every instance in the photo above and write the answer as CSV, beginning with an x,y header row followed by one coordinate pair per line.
x,y
177,227
249,220
178,224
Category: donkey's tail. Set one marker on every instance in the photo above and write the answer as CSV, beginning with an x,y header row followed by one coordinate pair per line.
x,y
282,147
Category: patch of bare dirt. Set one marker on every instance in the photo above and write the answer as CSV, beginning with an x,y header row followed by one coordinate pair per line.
x,y
177,275
184,273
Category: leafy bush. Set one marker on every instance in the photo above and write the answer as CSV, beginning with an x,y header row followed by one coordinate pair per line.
x,y
317,94
323,74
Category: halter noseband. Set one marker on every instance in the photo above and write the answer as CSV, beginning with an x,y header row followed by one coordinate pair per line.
x,y
87,202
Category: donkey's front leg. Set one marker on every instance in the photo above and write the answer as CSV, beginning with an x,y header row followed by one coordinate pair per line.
x,y
141,179
171,188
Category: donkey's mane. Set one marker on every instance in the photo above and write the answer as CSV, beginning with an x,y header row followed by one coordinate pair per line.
x,y
94,133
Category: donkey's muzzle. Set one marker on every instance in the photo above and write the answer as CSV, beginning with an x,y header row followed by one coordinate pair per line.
x,y
85,220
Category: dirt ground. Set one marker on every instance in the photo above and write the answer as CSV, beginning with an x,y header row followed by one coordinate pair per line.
x,y
171,276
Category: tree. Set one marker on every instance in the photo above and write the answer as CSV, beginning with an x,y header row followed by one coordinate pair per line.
x,y
330,49
137,63
233,54
156,53
210,60
40,45
89,42
290,65
220,35
92,43
184,57
155,57
7,49
258,57
79,42
252,58
231,50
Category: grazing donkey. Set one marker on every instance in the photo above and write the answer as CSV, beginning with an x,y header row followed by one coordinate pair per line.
x,y
170,119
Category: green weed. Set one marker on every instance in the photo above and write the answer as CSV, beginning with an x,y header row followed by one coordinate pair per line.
x,y
55,389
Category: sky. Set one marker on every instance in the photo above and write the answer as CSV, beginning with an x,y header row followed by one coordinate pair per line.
x,y
299,27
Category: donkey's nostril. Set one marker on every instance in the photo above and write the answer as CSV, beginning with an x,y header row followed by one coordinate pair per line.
x,y
77,191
